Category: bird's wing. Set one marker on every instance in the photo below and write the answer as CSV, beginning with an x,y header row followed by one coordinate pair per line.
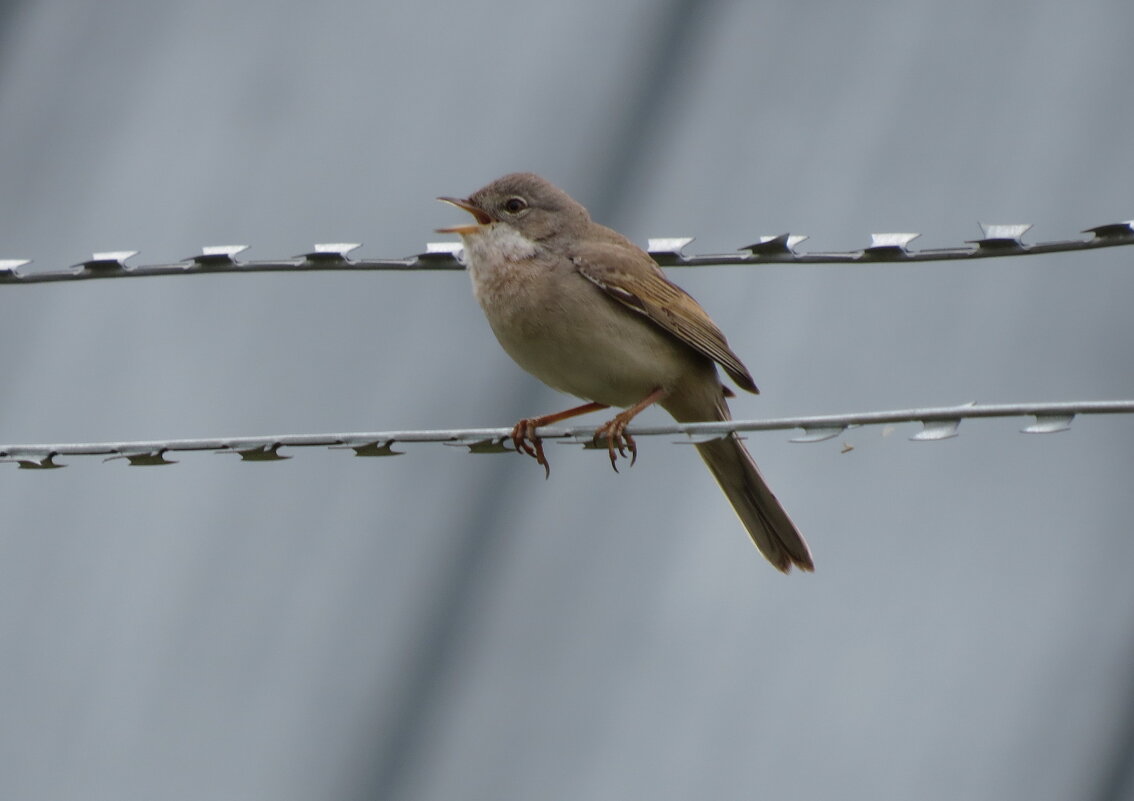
x,y
631,277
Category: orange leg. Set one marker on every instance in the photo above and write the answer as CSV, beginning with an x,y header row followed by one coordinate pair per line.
x,y
614,430
524,438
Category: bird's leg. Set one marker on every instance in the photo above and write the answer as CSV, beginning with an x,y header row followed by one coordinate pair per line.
x,y
614,430
524,437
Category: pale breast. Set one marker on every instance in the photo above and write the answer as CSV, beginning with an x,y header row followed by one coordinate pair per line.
x,y
563,330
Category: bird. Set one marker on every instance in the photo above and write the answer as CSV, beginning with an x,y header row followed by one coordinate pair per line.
x,y
587,312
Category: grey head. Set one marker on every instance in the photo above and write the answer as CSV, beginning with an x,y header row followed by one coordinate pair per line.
x,y
535,207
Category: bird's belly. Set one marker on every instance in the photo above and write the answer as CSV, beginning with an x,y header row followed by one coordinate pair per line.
x,y
616,357
567,332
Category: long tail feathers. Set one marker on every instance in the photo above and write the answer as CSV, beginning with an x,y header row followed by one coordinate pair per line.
x,y
767,522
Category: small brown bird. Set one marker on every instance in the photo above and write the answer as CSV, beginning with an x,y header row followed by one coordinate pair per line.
x,y
584,310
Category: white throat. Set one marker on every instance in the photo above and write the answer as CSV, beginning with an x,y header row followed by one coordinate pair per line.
x,y
496,243
499,259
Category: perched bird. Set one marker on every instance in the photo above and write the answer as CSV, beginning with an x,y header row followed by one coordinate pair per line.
x,y
587,312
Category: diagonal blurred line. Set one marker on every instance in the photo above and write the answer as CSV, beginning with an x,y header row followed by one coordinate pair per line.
x,y
449,621
677,39
1114,771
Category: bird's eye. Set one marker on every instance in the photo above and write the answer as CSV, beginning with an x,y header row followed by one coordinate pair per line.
x,y
514,205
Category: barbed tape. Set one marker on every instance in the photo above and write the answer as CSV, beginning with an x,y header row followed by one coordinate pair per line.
x,y
996,241
938,423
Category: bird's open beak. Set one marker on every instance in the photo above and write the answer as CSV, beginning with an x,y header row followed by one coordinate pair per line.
x,y
482,218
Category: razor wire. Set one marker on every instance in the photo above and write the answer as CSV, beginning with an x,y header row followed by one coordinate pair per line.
x,y
996,241
938,423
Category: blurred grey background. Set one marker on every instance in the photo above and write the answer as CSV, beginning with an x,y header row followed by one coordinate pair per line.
x,y
441,625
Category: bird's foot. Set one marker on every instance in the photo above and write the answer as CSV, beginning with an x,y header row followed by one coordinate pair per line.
x,y
524,439
618,442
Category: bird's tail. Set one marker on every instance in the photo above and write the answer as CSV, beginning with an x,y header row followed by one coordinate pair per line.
x,y
758,509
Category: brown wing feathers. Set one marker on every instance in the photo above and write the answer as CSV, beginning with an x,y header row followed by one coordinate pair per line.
x,y
632,278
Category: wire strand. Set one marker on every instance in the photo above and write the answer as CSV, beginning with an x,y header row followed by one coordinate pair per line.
x,y
938,423
996,241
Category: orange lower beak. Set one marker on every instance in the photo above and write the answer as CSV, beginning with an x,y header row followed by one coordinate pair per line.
x,y
470,228
482,218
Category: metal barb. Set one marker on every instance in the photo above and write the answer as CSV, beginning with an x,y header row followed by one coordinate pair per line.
x,y
490,445
371,449
933,430
9,268
781,245
217,256
1049,424
261,453
31,462
1122,230
334,253
143,458
819,433
113,262
1001,238
887,247
668,250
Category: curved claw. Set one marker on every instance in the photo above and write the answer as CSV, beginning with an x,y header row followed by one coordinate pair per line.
x,y
609,445
618,442
524,440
